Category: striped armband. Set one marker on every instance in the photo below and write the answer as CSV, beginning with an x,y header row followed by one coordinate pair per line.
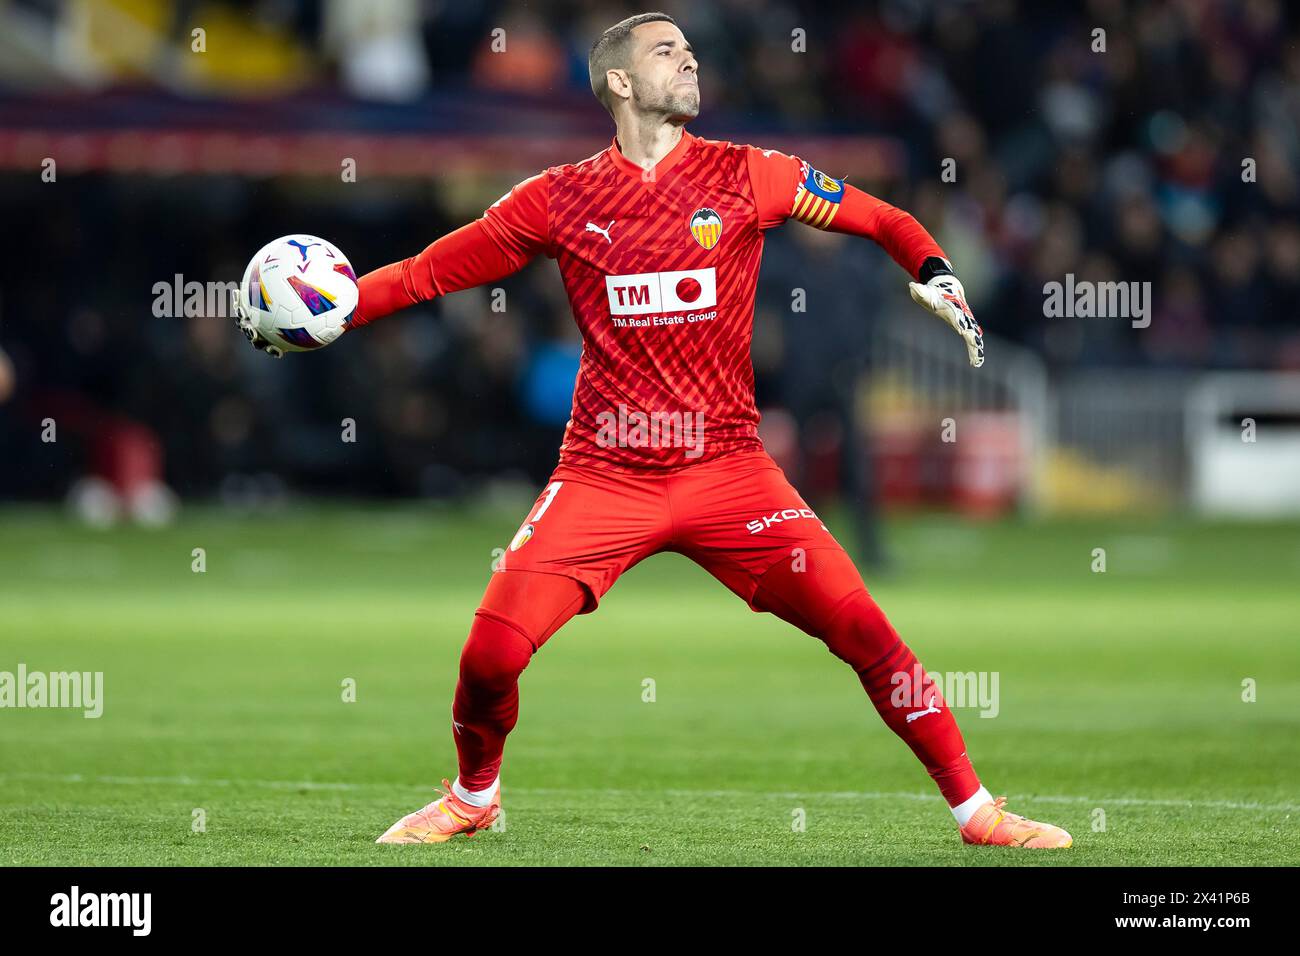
x,y
817,199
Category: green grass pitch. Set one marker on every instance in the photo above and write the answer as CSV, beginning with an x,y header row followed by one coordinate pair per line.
x,y
1120,698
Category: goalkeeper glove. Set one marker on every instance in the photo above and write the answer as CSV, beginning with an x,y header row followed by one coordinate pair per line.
x,y
944,296
245,323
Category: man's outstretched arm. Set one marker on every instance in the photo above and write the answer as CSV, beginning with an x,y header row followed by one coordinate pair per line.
x,y
510,233
785,187
913,248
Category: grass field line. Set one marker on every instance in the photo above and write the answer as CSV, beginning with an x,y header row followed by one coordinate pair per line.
x,y
110,779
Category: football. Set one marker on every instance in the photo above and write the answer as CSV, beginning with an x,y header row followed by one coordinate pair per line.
x,y
299,292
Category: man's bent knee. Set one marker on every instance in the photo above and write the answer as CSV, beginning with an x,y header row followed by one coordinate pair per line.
x,y
496,652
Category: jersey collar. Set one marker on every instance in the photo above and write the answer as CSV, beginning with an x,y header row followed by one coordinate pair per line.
x,y
665,164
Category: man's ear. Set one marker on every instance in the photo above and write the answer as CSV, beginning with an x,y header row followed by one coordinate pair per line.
x,y
620,84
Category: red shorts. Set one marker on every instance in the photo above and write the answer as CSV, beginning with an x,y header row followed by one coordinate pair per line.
x,y
735,516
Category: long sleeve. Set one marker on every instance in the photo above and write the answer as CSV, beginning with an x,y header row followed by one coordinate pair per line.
x,y
786,187
896,231
507,237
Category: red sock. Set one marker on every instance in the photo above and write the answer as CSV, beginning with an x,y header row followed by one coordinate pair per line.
x,y
520,611
486,705
829,601
933,733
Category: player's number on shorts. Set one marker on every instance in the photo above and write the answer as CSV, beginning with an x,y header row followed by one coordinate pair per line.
x,y
552,490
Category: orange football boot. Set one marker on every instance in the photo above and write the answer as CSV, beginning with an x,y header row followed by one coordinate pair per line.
x,y
443,819
993,826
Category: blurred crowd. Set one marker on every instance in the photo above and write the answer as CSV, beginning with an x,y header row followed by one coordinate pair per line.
x,y
1116,141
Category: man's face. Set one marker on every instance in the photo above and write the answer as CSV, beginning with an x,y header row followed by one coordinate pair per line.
x,y
663,72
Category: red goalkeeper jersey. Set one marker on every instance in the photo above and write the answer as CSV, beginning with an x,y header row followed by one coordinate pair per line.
x,y
660,269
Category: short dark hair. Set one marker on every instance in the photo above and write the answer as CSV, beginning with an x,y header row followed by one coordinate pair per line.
x,y
609,52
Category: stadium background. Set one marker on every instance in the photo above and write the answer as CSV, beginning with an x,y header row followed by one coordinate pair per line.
x,y
1079,433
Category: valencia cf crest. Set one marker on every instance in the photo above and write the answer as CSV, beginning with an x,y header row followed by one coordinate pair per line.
x,y
522,537
706,227
826,183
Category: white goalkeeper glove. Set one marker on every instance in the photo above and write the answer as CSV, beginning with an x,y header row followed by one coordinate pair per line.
x,y
245,323
944,296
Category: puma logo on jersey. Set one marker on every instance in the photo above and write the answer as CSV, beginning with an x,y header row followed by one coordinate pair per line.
x,y
649,292
592,227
